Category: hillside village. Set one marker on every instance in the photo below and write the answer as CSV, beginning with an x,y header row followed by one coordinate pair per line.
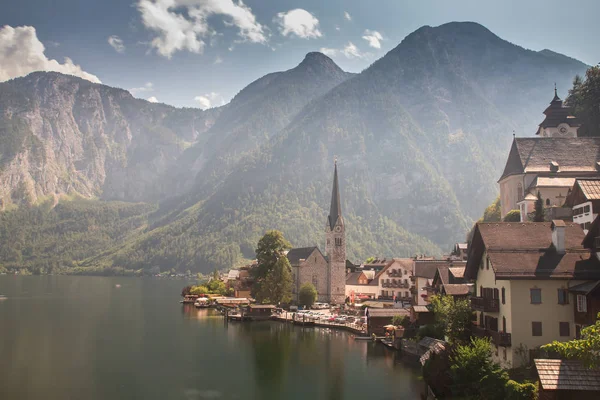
x,y
529,281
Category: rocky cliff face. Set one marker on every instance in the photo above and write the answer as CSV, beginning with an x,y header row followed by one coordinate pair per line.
x,y
64,135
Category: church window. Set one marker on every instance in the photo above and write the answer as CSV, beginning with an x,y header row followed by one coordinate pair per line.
x,y
520,191
338,241
547,202
315,281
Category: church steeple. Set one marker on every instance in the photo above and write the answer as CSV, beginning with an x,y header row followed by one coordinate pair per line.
x,y
558,122
335,210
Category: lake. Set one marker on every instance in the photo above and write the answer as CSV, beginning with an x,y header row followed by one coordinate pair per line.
x,y
70,337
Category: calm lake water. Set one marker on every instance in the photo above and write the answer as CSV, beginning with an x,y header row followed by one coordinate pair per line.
x,y
64,337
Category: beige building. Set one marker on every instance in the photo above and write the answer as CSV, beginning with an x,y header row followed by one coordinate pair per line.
x,y
395,280
424,271
362,285
548,163
522,274
326,272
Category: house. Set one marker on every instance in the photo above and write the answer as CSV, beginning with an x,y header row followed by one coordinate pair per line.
x,y
424,272
421,315
548,163
258,312
460,251
362,285
586,305
450,281
326,272
395,280
377,264
377,318
584,200
522,274
566,380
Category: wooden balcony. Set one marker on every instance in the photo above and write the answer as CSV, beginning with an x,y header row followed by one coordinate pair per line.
x,y
498,338
485,304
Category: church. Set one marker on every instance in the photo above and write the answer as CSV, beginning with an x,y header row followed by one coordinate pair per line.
x,y
327,272
548,163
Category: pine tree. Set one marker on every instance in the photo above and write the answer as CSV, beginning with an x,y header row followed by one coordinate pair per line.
x,y
538,212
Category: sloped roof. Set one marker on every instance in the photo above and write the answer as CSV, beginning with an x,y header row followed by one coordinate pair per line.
x,y
420,309
525,250
457,272
572,155
552,181
590,188
387,312
585,288
428,268
352,278
457,289
335,211
567,375
302,253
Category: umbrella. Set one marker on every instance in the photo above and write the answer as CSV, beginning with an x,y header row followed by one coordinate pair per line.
x,y
390,326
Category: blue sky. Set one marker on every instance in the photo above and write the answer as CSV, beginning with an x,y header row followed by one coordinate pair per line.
x,y
197,53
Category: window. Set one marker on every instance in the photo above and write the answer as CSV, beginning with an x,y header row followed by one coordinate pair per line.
x,y
536,328
503,296
487,263
503,324
547,202
577,331
405,272
315,280
564,329
328,241
480,291
563,296
581,303
338,241
536,296
586,209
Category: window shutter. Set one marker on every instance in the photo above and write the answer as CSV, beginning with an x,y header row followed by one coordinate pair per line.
x,y
564,329
536,328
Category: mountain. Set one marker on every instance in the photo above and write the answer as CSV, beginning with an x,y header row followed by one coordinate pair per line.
x,y
64,135
420,137
258,112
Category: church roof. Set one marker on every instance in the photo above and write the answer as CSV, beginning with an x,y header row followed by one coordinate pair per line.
x,y
335,210
573,155
302,253
557,113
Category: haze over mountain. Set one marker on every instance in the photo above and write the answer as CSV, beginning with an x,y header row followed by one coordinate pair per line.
x,y
420,137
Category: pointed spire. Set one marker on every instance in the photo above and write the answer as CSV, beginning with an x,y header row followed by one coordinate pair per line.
x,y
336,208
556,98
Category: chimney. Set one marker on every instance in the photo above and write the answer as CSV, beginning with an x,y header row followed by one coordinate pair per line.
x,y
558,235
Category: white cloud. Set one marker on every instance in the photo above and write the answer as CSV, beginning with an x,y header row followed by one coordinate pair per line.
x,y
298,22
337,27
218,60
183,24
347,16
116,43
349,51
374,38
152,99
208,100
148,87
21,52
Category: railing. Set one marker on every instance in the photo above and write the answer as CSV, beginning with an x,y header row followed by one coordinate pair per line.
x,y
498,338
485,304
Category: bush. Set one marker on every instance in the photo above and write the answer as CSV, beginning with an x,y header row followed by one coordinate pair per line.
x,y
520,391
432,330
513,216
401,320
307,295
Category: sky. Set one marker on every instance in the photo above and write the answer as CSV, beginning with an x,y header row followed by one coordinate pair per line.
x,y
201,53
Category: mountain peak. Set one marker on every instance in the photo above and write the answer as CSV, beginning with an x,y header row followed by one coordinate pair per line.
x,y
319,61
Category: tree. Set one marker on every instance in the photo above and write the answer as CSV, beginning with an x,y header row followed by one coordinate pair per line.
x,y
186,290
401,320
538,212
584,99
307,295
277,285
453,316
199,290
474,374
492,212
270,249
586,349
512,216
369,260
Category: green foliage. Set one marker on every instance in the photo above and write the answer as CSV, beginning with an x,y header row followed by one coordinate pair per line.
x,y
453,317
492,212
538,211
512,216
307,295
44,240
400,320
586,349
277,285
520,391
584,98
199,290
474,375
369,260
270,249
435,331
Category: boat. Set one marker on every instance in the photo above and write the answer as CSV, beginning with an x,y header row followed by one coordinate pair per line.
x,y
202,302
189,299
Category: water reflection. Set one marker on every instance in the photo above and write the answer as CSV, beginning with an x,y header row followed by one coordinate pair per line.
x,y
82,337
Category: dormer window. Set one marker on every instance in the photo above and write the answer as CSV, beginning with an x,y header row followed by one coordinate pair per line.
x,y
553,166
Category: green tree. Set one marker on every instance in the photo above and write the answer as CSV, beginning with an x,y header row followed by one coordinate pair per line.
x,y
400,320
307,295
584,98
198,290
492,212
453,316
369,260
512,216
538,212
586,349
474,374
271,247
277,285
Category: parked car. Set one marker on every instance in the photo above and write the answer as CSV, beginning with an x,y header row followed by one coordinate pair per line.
x,y
341,319
350,319
331,319
320,306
